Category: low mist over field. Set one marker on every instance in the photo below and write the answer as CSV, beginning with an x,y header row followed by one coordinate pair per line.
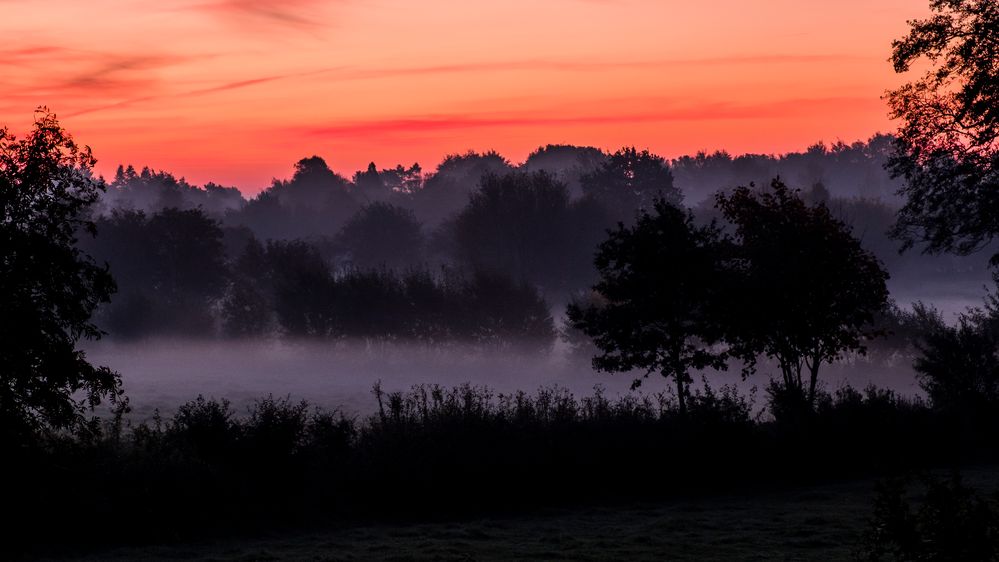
x,y
162,374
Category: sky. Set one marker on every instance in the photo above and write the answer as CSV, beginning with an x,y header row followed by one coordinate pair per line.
x,y
236,91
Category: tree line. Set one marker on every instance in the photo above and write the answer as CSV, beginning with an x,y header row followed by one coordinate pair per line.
x,y
178,267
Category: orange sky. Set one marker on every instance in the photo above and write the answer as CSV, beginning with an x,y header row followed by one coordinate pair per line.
x,y
235,91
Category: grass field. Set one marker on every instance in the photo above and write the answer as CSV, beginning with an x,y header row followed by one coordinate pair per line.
x,y
822,522
815,524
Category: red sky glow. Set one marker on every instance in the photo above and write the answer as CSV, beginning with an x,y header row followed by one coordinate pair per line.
x,y
236,91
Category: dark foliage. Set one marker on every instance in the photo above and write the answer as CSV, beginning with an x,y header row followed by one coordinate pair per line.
x,y
316,201
288,286
456,177
389,184
567,163
958,368
49,287
854,170
151,191
524,225
316,204
803,289
942,520
631,180
383,235
947,147
660,281
436,451
170,267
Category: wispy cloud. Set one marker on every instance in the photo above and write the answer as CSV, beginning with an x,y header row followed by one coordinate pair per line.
x,y
591,65
24,56
119,73
342,73
294,13
235,85
700,112
46,73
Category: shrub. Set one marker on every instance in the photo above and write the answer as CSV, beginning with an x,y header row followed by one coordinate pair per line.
x,y
943,519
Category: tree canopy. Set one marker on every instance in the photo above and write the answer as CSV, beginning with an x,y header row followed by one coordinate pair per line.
x,y
50,288
656,297
803,290
383,235
948,140
516,223
629,180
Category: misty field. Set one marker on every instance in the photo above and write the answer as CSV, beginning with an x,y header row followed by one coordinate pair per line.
x,y
163,374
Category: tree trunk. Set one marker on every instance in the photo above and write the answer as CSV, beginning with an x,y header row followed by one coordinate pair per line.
x,y
680,394
813,380
679,373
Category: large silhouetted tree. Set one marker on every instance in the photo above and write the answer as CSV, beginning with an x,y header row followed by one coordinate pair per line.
x,y
657,298
49,287
802,289
948,141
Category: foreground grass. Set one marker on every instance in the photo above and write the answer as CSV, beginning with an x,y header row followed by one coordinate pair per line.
x,y
822,522
816,523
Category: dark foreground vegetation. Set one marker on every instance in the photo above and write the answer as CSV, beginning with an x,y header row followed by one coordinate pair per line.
x,y
435,452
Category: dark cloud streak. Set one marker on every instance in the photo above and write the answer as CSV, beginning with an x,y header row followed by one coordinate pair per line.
x,y
701,112
346,73
292,13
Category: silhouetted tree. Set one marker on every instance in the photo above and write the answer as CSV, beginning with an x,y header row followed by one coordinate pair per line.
x,y
369,185
152,190
188,252
315,201
630,180
457,176
948,142
396,185
658,292
246,310
507,313
247,307
567,163
382,235
803,290
847,170
403,181
49,287
170,268
958,366
302,287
